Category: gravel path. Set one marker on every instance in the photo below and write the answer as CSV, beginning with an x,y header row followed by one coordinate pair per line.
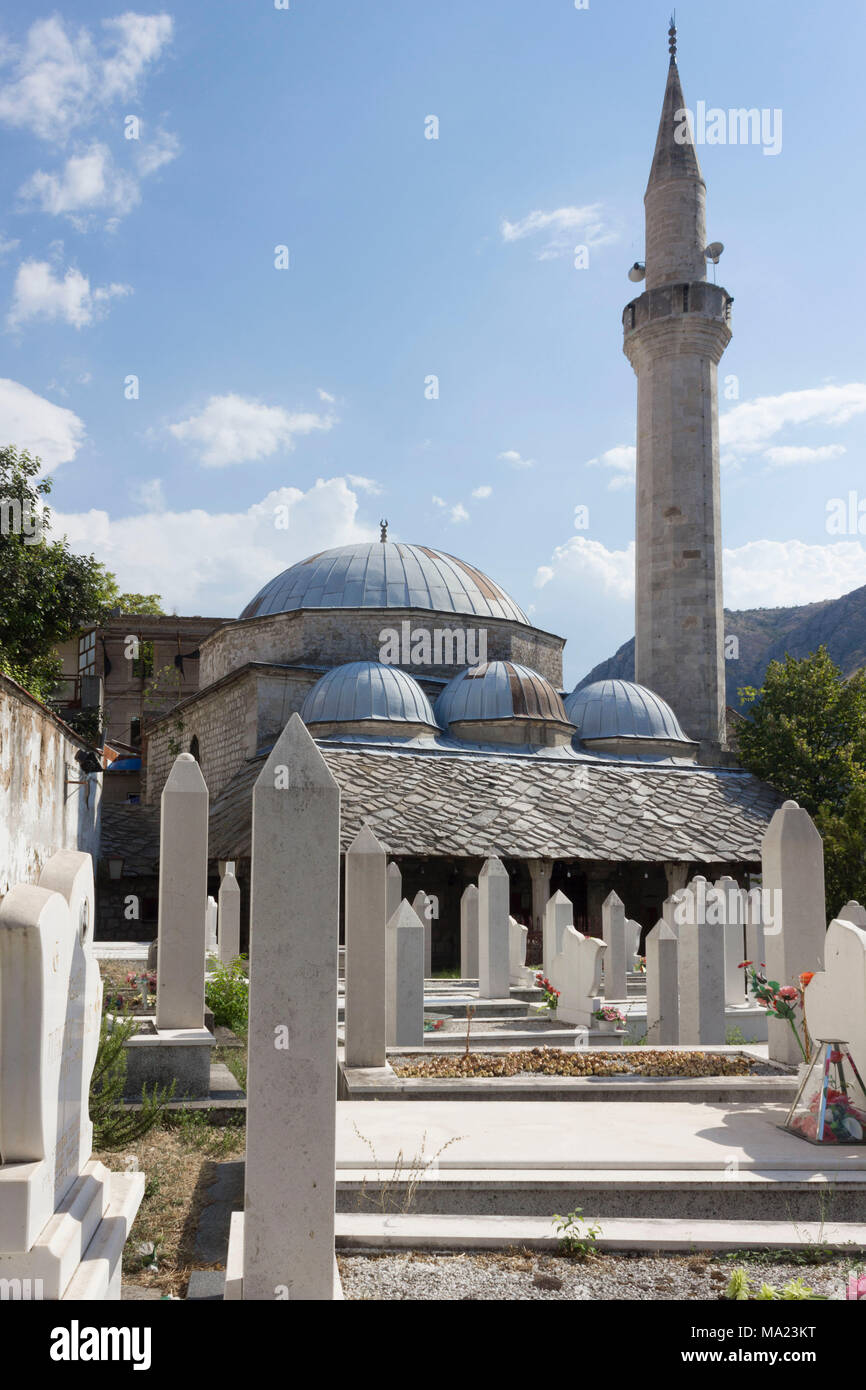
x,y
528,1275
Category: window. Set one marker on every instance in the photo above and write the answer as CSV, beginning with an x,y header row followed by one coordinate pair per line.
x,y
194,748
135,730
87,653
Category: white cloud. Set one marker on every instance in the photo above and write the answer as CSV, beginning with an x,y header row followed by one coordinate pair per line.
x,y
459,512
759,574
325,396
40,294
777,574
438,501
364,484
60,79
154,153
623,460
748,428
480,493
213,563
236,429
784,455
513,457
589,565
562,226
7,244
149,495
50,432
88,183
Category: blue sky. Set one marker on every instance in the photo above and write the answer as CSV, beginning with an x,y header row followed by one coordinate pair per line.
x,y
304,389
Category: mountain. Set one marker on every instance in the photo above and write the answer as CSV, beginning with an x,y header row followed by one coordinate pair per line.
x,y
768,634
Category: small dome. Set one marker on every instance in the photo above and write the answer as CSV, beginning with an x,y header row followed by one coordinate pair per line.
x,y
385,574
502,690
365,691
617,709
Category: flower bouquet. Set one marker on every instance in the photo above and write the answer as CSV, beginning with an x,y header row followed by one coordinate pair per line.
x,y
609,1019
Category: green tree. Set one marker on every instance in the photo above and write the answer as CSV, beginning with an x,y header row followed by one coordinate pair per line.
x,y
47,593
806,734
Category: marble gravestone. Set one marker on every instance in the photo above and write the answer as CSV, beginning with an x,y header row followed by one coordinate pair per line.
x,y
519,973
616,958
558,914
836,998
281,1246
229,911
792,856
404,951
469,933
63,1218
366,905
576,973
494,946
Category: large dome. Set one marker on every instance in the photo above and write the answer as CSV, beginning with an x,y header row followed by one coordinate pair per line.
x,y
363,691
385,574
618,709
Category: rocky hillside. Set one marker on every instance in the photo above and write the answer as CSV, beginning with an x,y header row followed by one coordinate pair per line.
x,y
767,634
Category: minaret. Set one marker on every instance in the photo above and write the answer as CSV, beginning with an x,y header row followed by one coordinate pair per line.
x,y
675,334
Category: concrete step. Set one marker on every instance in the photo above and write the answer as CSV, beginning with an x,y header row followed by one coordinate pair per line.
x,y
366,1230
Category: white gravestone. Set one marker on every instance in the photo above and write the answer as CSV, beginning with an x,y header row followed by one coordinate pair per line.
x,y
284,1240
853,912
365,917
405,963
701,969
421,905
731,903
469,933
576,973
754,930
493,933
395,889
519,972
615,959
792,856
558,914
836,998
53,1197
182,897
229,908
632,943
211,947
662,985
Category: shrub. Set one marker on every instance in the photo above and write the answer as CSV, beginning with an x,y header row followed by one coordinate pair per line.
x,y
227,995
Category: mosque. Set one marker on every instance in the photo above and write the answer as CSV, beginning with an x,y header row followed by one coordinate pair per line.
x,y
456,740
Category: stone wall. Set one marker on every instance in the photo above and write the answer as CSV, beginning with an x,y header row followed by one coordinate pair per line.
x,y
331,636
39,815
223,720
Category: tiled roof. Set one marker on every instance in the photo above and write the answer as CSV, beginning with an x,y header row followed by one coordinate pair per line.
x,y
474,806
130,833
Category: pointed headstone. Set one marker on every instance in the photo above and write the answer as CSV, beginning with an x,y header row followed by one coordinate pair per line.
x,y
420,905
615,958
395,889
558,914
289,1195
469,933
405,967
229,916
701,960
792,856
662,991
182,897
493,931
366,916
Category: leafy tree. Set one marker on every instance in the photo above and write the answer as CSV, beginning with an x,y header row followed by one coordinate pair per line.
x,y
48,593
806,731
806,734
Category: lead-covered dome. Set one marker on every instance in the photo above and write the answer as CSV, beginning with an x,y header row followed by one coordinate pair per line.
x,y
622,716
503,702
385,574
368,697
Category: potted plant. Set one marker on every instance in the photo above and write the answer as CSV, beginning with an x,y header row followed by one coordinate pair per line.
x,y
609,1020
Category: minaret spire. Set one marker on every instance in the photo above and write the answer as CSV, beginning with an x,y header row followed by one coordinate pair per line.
x,y
675,334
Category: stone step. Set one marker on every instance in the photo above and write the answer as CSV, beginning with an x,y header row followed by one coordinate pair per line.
x,y
364,1230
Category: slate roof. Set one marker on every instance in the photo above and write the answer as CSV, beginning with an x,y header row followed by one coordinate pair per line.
x,y
473,806
130,833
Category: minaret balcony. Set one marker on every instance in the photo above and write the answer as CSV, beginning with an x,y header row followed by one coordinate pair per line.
x,y
672,301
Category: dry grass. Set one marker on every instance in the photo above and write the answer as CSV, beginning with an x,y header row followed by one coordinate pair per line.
x,y
551,1061
174,1160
